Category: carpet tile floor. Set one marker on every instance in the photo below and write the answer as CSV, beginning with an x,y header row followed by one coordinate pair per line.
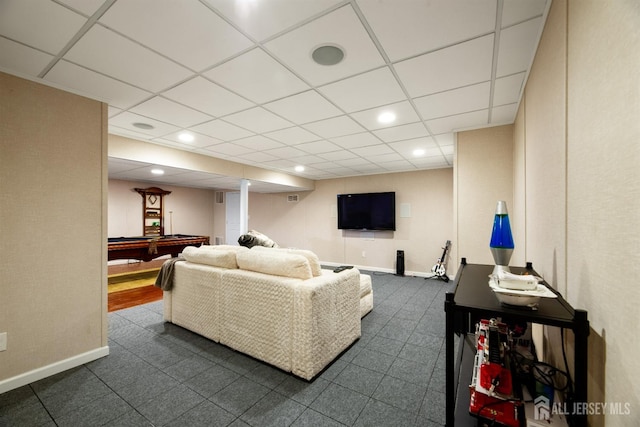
x,y
158,374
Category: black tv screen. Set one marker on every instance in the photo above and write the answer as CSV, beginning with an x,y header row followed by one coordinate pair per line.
x,y
367,211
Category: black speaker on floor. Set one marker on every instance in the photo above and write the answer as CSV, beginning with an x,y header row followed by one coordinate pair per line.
x,y
400,263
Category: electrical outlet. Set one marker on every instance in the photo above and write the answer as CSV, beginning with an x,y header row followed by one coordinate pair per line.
x,y
364,254
3,341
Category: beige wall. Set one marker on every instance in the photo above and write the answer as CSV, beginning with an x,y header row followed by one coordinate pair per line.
x,y
603,191
576,185
311,223
53,225
186,210
484,175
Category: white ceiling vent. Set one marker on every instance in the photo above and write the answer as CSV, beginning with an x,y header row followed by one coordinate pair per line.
x,y
292,198
219,197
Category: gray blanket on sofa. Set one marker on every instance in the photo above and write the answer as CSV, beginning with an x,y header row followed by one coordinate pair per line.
x,y
164,280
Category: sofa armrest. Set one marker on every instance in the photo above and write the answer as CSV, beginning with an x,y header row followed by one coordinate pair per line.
x,y
326,320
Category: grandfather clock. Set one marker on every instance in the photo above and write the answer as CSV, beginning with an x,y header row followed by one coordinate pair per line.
x,y
152,210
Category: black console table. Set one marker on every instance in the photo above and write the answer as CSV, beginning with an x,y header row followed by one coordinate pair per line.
x,y
473,299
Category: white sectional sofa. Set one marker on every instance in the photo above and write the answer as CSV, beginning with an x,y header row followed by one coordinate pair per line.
x,y
276,305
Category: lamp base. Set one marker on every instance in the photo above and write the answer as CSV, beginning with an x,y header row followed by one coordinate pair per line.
x,y
499,268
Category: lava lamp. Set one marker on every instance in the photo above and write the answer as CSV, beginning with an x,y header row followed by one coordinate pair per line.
x,y
501,239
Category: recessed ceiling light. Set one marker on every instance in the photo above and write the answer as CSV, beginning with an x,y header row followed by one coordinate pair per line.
x,y
386,117
299,168
145,126
419,152
186,137
157,171
328,54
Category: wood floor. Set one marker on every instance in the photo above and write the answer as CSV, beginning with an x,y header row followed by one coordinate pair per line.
x,y
132,284
132,297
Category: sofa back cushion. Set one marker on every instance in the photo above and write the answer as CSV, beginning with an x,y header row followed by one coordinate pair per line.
x,y
212,255
314,261
275,263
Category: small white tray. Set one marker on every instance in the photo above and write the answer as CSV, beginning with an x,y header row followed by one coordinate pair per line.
x,y
526,298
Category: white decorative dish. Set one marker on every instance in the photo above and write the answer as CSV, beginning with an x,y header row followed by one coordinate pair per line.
x,y
524,298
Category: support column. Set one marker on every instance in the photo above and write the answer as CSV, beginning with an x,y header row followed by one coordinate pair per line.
x,y
244,206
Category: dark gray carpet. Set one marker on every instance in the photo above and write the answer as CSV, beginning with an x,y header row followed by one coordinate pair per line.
x,y
160,374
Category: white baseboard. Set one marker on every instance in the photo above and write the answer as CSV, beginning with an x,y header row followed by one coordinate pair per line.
x,y
54,368
381,270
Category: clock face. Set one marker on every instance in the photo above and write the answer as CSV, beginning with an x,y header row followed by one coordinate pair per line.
x,y
152,199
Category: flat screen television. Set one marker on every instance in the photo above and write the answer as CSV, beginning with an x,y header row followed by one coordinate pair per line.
x,y
367,211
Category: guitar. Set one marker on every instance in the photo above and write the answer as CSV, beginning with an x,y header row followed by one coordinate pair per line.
x,y
440,268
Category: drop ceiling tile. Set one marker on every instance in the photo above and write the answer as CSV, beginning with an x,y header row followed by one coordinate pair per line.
x,y
286,152
422,26
167,26
293,136
173,144
170,112
398,133
116,165
112,111
460,65
447,150
129,133
431,162
368,168
324,164
96,85
126,120
207,97
504,114
507,89
354,161
317,147
517,47
258,143
87,7
474,119
200,140
228,149
111,54
281,164
398,166
309,160
445,139
258,120
222,130
257,157
334,156
385,158
304,108
372,150
407,148
514,12
357,140
456,101
342,171
273,81
403,110
55,24
336,126
263,19
22,59
339,28
368,90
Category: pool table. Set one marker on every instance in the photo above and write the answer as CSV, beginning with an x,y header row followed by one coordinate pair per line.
x,y
149,247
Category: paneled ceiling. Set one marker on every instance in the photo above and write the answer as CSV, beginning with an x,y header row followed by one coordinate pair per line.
x,y
238,76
